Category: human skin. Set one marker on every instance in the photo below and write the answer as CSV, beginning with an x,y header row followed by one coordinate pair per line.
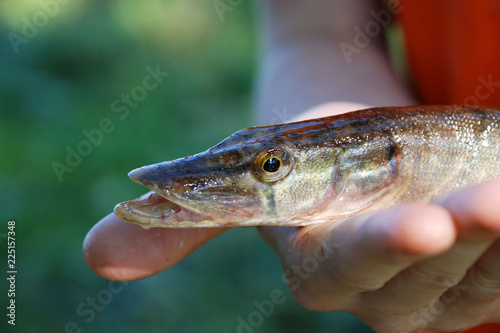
x,y
434,264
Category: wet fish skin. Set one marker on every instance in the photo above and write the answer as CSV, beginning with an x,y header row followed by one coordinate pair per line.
x,y
328,169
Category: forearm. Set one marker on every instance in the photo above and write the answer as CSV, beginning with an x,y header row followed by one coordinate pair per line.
x,y
303,65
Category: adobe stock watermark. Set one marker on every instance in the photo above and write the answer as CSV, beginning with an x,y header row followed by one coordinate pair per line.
x,y
31,25
87,310
223,6
121,107
372,29
421,319
483,91
293,278
280,116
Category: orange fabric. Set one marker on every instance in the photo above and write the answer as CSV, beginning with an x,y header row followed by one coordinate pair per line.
x,y
453,49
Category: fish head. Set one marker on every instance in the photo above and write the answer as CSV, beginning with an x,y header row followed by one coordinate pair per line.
x,y
279,175
252,177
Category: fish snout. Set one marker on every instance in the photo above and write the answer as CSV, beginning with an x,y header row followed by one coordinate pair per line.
x,y
168,179
150,176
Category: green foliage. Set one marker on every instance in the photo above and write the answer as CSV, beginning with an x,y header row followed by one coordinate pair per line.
x,y
63,81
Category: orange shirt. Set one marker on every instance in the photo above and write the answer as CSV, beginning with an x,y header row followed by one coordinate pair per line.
x,y
453,49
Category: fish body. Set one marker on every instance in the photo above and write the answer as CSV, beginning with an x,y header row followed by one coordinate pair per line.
x,y
320,170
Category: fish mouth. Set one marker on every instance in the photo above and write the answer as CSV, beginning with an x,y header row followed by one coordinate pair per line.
x,y
153,210
185,202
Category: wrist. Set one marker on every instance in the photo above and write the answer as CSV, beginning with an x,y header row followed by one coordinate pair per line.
x,y
285,20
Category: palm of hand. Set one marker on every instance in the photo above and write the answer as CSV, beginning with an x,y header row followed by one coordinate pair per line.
x,y
417,266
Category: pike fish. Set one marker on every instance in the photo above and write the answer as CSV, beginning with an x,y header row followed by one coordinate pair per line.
x,y
320,170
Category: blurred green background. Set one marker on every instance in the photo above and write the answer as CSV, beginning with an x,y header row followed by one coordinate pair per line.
x,y
62,65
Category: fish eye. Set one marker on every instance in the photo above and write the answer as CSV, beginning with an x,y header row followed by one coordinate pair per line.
x,y
272,165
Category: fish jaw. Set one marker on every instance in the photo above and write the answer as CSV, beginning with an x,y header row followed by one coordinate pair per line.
x,y
153,210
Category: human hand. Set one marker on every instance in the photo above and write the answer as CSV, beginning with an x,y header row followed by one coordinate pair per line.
x,y
419,265
434,266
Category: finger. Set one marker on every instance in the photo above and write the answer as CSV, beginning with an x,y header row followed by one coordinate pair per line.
x,y
476,211
335,261
279,237
475,216
476,299
118,250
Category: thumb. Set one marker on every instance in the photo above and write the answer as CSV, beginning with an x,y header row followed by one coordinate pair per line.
x,y
122,251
